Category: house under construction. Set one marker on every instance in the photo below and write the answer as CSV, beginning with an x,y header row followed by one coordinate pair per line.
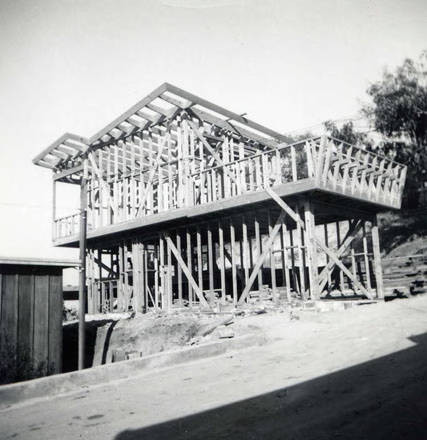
x,y
185,203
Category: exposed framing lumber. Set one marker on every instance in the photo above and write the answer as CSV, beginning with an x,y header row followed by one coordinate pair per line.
x,y
325,249
212,151
377,257
186,271
261,258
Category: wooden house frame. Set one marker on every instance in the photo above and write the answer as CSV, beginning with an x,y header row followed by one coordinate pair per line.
x,y
189,204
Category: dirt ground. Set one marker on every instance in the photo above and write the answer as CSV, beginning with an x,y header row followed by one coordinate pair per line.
x,y
354,374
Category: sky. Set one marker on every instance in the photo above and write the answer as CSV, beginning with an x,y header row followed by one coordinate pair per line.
x,y
73,66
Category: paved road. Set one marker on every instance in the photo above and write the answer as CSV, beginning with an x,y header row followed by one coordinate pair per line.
x,y
359,374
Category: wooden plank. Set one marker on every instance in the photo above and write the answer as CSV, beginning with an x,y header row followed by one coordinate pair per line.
x,y
199,259
204,116
186,271
272,262
339,245
9,309
301,249
377,258
331,254
169,292
190,266
139,105
55,323
366,258
261,258
233,261
221,260
153,171
210,259
293,263
311,250
25,316
342,246
212,151
259,246
178,245
285,261
245,253
41,322
163,289
326,236
156,277
238,118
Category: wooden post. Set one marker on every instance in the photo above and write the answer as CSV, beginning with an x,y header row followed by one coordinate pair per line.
x,y
163,278
53,209
377,258
82,273
221,260
210,260
190,266
245,250
285,261
311,251
169,294
233,261
199,259
272,262
100,295
178,245
341,275
366,258
302,254
262,257
259,246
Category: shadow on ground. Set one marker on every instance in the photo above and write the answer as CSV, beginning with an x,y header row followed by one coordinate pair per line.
x,y
385,398
70,343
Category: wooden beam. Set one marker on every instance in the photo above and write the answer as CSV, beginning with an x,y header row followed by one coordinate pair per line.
x,y
330,253
221,260
261,258
311,251
233,261
350,236
212,151
186,271
377,257
216,108
152,174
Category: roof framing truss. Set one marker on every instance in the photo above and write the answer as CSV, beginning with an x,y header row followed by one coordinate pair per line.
x,y
155,113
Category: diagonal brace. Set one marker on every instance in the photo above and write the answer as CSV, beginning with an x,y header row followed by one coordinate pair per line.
x,y
331,254
261,258
186,271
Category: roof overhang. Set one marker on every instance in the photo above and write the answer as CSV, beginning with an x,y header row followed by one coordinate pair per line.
x,y
160,105
13,261
68,147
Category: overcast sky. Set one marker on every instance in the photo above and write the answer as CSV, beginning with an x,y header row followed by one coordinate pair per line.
x,y
75,65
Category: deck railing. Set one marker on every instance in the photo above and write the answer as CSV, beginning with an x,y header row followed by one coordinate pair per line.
x,y
66,226
331,164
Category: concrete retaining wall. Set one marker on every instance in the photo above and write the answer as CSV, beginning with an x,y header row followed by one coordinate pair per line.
x,y
24,392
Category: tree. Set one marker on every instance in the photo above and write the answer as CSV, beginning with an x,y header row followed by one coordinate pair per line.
x,y
398,112
346,133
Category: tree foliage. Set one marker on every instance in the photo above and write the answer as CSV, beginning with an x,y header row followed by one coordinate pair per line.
x,y
398,111
346,133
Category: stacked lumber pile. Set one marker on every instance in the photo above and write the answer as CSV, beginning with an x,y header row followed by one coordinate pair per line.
x,y
405,276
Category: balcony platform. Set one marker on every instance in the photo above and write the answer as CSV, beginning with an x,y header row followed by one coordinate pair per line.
x,y
351,204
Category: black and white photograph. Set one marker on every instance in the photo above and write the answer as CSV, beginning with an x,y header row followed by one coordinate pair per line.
x,y
213,219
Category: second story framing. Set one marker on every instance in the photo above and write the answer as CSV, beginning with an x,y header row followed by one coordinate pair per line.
x,y
174,151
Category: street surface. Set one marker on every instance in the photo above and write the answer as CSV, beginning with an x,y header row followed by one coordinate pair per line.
x,y
359,374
